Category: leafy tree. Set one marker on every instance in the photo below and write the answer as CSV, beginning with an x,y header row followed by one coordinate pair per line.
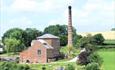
x,y
13,45
97,39
14,33
31,34
17,39
113,29
61,31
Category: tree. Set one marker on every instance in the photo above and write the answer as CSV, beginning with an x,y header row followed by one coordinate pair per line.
x,y
19,39
13,45
113,29
16,33
61,31
31,34
97,39
14,40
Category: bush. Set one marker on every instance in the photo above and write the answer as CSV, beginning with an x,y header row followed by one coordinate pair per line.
x,y
94,57
13,66
43,68
92,66
69,67
97,39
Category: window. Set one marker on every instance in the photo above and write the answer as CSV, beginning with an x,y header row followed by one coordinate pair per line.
x,y
39,52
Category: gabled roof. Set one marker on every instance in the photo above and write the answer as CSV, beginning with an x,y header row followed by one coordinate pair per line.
x,y
47,36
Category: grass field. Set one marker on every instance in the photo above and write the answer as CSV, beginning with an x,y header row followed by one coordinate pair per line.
x,y
108,58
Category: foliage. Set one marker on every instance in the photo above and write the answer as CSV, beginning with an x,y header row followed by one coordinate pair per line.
x,y
14,40
92,66
14,33
94,57
69,67
65,51
61,31
31,34
90,48
97,39
83,41
17,39
13,66
43,68
13,45
113,29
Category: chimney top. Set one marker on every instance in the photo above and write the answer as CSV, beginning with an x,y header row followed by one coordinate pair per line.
x,y
69,7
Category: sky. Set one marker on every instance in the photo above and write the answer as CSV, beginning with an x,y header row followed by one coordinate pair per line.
x,y
88,15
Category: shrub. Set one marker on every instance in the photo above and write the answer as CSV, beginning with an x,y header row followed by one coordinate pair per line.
x,y
43,68
69,67
13,66
94,57
97,39
92,66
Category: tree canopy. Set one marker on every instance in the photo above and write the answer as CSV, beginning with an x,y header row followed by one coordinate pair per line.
x,y
113,29
31,34
61,31
17,39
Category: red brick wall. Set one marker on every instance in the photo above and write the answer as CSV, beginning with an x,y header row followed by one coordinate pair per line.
x,y
31,54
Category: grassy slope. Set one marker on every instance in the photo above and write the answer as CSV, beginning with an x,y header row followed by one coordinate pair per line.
x,y
109,59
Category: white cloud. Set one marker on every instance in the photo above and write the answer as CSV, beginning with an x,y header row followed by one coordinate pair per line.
x,y
38,6
23,5
93,13
22,22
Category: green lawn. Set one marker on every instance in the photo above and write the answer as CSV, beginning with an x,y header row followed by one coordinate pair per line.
x,y
108,58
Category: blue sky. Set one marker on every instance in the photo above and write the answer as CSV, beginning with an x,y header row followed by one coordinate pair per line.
x,y
88,15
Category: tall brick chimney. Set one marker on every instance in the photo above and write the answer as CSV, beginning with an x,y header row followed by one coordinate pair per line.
x,y
70,42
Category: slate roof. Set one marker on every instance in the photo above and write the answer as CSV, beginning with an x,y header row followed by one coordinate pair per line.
x,y
47,36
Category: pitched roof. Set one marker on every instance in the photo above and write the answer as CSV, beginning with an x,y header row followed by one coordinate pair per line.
x,y
47,36
45,44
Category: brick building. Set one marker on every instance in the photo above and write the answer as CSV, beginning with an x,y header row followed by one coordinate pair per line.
x,y
42,50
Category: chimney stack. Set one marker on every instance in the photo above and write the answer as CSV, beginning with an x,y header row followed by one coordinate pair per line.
x,y
70,31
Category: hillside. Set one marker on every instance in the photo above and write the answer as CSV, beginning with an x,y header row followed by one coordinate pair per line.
x,y
108,35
